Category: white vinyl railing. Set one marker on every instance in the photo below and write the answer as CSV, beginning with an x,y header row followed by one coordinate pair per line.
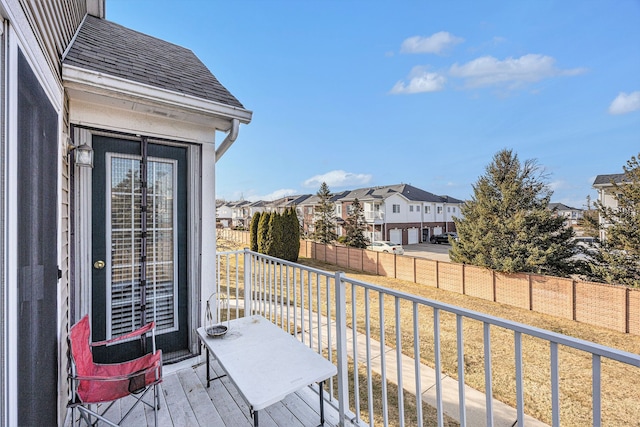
x,y
351,323
373,215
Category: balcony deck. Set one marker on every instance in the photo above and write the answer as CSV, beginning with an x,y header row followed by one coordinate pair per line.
x,y
185,401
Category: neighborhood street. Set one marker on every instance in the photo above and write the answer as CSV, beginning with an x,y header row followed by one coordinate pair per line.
x,y
428,250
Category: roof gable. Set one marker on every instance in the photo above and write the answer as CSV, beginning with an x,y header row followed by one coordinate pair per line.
x,y
109,48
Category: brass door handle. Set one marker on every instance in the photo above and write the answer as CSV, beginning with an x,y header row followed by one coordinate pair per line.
x,y
99,265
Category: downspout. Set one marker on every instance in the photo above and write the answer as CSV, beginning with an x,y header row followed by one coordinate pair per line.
x,y
230,139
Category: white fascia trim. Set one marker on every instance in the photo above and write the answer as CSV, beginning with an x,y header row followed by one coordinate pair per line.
x,y
105,82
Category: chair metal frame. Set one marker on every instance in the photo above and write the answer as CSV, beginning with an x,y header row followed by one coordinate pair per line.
x,y
151,374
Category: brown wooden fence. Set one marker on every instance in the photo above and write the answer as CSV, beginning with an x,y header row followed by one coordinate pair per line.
x,y
608,306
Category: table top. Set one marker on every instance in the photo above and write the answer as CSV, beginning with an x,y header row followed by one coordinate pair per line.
x,y
265,362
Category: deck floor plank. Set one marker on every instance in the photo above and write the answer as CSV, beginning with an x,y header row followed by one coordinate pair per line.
x,y
177,403
203,407
185,401
164,416
228,407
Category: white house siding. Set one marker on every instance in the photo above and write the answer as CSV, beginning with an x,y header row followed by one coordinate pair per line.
x,y
395,217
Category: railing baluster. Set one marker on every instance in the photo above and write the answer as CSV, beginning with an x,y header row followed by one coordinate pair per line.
x,y
310,310
519,379
383,362
438,366
596,385
272,289
279,297
237,286
341,346
488,389
399,363
330,327
247,282
319,313
302,334
461,384
417,362
367,328
354,331
287,293
555,385
295,300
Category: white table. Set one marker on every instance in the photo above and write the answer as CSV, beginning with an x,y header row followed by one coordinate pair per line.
x,y
265,362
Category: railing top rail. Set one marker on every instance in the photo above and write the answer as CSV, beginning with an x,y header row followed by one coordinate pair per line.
x,y
577,343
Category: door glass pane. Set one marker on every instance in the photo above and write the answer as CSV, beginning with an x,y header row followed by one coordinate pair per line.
x,y
125,237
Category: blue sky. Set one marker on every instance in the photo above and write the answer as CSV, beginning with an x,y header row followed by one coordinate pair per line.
x,y
363,93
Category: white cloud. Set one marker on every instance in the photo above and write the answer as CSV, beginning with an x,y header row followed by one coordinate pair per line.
x,y
435,43
558,185
338,178
513,72
420,80
625,103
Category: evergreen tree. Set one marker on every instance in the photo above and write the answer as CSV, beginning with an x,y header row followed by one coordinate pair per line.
x,y
253,233
291,235
325,223
355,227
617,257
274,241
263,232
507,226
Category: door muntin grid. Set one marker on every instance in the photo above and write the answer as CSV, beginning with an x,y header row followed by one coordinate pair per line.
x,y
124,237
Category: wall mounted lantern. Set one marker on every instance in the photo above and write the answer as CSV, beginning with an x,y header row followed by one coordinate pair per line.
x,y
83,154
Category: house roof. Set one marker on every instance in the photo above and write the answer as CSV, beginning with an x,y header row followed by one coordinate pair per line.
x,y
410,192
289,200
561,207
606,180
109,48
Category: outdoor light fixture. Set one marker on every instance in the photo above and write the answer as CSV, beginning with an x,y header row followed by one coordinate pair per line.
x,y
83,154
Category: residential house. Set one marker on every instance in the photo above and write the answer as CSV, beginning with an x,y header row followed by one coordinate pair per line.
x,y
100,124
400,213
279,205
224,214
307,213
237,214
571,215
403,213
604,184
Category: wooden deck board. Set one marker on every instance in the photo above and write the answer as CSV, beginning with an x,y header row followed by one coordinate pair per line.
x,y
186,401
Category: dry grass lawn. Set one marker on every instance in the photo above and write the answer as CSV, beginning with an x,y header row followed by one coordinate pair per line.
x,y
620,393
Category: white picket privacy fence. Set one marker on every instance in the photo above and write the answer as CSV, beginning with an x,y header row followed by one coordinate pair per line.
x,y
360,327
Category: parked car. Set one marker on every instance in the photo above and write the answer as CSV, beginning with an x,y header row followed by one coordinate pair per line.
x,y
385,246
444,237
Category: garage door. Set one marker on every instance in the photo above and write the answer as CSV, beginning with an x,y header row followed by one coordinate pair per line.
x,y
395,236
413,236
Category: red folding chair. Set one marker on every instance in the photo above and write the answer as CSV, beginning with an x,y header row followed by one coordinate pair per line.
x,y
93,383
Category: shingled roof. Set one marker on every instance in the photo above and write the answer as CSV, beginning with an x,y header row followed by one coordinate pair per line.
x,y
605,180
106,47
410,192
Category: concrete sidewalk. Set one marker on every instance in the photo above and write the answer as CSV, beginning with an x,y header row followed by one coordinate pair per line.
x,y
475,401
